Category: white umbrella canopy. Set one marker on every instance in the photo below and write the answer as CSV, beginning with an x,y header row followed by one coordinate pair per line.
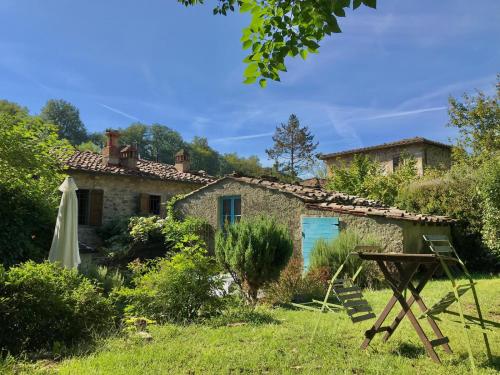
x,y
64,248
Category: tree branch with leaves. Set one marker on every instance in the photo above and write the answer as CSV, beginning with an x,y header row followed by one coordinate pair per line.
x,y
281,28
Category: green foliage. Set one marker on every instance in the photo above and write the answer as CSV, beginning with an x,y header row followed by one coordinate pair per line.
x,y
249,166
331,254
174,234
293,147
105,279
489,191
67,119
204,157
179,289
293,286
30,154
12,109
44,305
283,28
365,177
253,251
89,146
477,118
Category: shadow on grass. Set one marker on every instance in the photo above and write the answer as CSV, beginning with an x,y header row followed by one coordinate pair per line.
x,y
464,358
241,317
409,350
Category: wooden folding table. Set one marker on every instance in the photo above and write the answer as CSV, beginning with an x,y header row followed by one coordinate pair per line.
x,y
399,270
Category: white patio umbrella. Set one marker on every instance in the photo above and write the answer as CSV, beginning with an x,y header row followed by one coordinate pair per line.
x,y
64,248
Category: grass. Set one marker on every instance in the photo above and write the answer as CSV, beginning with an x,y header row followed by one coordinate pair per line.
x,y
281,345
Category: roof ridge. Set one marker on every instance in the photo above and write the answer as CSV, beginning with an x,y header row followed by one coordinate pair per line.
x,y
401,142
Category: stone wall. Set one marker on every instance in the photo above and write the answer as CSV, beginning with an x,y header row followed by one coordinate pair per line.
x,y
397,235
437,157
121,196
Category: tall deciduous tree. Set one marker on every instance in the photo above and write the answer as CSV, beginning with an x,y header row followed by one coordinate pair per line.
x,y
164,143
293,148
204,157
67,119
281,28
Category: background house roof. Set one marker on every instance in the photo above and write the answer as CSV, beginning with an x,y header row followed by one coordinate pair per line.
x,y
400,143
91,162
317,198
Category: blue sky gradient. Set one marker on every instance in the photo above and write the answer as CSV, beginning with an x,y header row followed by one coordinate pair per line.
x,y
387,76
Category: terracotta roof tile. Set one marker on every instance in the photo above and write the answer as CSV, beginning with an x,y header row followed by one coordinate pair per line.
x,y
317,198
92,162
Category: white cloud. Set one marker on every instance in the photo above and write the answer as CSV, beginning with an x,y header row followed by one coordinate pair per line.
x,y
402,113
242,137
119,112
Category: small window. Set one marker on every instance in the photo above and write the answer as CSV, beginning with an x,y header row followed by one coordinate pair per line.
x,y
154,204
395,163
83,197
230,210
90,203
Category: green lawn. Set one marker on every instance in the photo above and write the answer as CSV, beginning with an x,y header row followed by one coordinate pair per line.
x,y
285,348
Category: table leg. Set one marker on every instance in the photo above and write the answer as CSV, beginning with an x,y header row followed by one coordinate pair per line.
x,y
406,308
416,298
396,290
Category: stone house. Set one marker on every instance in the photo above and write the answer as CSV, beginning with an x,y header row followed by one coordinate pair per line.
x,y
117,184
427,153
309,212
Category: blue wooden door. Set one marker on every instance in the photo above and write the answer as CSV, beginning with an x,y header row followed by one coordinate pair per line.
x,y
314,228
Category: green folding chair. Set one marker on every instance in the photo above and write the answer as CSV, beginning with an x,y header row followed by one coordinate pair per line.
x,y
444,250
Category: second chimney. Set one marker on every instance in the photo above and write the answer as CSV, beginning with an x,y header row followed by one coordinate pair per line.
x,y
182,162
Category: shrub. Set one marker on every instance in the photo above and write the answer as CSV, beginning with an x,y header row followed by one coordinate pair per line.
x,y
253,251
103,277
293,286
179,289
150,237
331,254
44,305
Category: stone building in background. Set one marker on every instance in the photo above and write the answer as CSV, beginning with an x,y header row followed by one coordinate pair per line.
x,y
117,184
427,153
310,213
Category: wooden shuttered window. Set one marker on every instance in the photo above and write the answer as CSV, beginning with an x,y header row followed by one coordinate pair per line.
x,y
149,204
96,203
143,204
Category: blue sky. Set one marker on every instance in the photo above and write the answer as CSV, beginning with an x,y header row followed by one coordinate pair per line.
x,y
387,76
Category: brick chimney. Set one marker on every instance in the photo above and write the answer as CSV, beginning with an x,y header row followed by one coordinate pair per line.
x,y
129,156
182,162
111,152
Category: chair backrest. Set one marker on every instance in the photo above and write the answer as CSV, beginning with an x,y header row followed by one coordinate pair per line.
x,y
440,244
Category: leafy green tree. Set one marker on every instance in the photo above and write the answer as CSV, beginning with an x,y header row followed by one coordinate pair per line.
x,y
352,179
477,118
293,147
249,166
203,157
31,171
136,133
67,118
366,178
281,28
12,109
89,146
164,143
253,251
98,139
